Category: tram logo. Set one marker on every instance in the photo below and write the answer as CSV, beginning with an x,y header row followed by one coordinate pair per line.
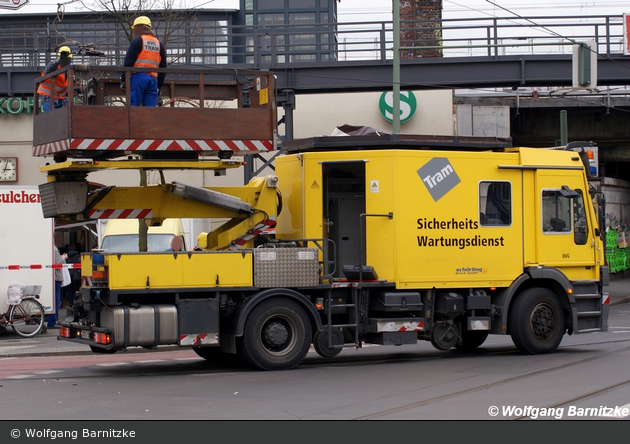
x,y
439,177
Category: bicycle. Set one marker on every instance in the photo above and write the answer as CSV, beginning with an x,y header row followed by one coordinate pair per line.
x,y
27,317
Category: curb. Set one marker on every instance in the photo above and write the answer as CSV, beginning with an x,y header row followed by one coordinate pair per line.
x,y
88,351
623,300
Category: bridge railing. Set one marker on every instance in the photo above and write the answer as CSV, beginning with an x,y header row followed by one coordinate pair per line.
x,y
472,37
214,43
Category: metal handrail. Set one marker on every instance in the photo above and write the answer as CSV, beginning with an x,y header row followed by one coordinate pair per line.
x,y
278,46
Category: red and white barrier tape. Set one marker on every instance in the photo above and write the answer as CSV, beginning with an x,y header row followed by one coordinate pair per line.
x,y
39,266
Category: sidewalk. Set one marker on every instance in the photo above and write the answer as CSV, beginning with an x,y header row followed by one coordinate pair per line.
x,y
47,344
12,345
619,288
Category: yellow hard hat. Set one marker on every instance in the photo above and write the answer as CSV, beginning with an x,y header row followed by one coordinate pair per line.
x,y
142,20
64,51
202,240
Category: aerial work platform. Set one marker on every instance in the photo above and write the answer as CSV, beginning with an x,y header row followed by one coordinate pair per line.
x,y
204,113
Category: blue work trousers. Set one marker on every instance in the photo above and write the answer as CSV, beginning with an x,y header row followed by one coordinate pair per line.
x,y
52,318
45,103
144,90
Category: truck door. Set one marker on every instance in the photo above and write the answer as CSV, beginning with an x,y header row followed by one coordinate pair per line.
x,y
344,202
565,231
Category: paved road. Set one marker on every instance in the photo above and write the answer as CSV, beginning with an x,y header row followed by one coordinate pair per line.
x,y
412,382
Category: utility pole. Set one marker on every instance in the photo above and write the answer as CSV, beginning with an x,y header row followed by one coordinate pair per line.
x,y
396,65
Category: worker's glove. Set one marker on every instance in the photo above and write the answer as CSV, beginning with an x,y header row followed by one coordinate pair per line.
x,y
160,102
122,86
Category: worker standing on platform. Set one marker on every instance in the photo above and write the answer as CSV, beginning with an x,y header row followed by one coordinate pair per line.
x,y
60,82
145,51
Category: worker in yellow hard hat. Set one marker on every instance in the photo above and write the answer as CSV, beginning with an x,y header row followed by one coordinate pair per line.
x,y
59,87
145,51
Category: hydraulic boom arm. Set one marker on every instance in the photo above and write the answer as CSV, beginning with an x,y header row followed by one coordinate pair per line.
x,y
67,197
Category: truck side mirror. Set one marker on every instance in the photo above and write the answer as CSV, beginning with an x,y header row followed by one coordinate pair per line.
x,y
568,192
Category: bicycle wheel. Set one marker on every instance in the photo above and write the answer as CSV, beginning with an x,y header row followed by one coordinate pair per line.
x,y
27,317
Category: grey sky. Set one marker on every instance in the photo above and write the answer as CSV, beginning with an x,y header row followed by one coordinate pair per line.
x,y
374,10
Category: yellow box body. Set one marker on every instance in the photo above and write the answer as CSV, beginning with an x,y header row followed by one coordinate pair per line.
x,y
438,240
133,271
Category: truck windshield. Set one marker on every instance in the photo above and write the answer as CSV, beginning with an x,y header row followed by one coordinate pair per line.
x,y
128,243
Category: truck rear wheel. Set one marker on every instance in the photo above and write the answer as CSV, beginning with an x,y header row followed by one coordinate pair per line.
x,y
277,335
214,356
536,321
208,353
472,339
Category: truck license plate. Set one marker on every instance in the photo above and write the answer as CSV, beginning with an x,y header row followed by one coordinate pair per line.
x,y
85,334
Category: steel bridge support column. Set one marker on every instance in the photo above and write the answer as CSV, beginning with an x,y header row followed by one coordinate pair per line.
x,y
286,99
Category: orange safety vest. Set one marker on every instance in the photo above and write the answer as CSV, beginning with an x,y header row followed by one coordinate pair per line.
x,y
149,57
61,86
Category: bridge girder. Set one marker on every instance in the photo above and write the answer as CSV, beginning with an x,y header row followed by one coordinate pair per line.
x,y
423,73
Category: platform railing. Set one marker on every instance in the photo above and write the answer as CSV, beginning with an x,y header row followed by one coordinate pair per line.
x,y
211,43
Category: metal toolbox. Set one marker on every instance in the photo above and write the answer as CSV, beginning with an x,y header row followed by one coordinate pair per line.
x,y
396,301
144,325
286,267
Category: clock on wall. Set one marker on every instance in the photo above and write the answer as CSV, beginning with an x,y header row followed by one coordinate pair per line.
x,y
8,169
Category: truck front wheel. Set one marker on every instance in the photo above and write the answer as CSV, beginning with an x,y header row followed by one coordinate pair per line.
x,y
536,321
276,336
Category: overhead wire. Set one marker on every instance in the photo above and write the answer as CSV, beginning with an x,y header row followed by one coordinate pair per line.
x,y
593,51
531,22
61,11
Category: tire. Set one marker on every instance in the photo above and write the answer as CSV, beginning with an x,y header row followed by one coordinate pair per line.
x,y
214,356
277,336
471,339
102,351
320,342
536,321
27,317
208,353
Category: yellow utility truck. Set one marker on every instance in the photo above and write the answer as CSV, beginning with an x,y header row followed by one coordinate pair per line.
x,y
380,239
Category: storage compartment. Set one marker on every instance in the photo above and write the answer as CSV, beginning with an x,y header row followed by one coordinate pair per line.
x,y
395,338
198,316
355,273
396,301
144,325
450,305
286,267
478,301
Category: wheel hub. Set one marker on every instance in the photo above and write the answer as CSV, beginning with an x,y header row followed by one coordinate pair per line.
x,y
542,321
275,335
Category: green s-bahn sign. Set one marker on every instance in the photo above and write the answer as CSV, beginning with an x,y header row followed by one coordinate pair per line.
x,y
408,105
